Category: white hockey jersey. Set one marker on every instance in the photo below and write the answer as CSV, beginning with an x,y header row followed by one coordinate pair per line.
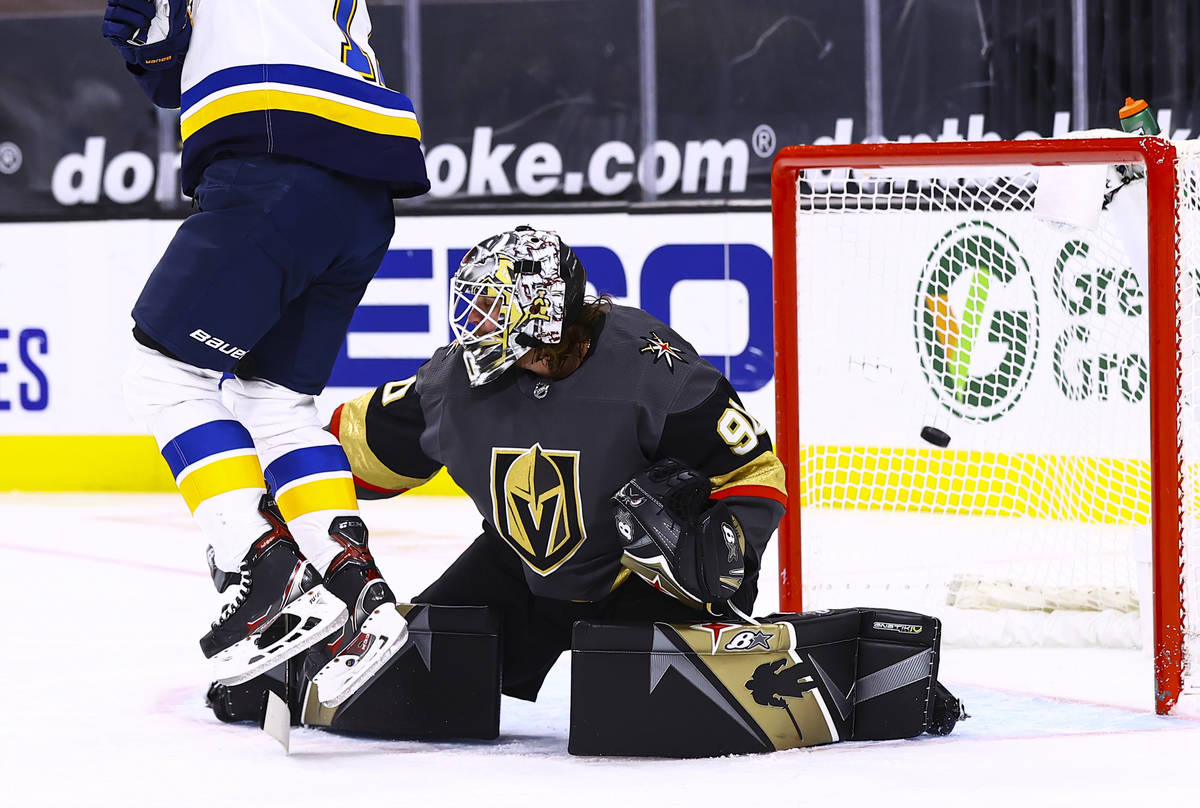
x,y
297,78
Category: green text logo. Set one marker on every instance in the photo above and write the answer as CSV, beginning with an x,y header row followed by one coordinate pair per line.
x,y
976,321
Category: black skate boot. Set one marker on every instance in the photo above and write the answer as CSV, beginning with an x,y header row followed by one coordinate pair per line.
x,y
274,583
374,633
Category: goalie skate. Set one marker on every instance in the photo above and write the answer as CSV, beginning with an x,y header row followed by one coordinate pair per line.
x,y
279,609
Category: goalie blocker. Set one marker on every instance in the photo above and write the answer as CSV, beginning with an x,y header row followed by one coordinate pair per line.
x,y
445,683
724,687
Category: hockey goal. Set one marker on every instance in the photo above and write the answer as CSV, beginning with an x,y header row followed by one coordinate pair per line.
x,y
987,397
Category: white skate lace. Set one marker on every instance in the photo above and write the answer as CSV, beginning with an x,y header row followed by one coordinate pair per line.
x,y
239,597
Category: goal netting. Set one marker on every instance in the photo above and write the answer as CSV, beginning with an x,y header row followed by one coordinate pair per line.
x,y
1035,304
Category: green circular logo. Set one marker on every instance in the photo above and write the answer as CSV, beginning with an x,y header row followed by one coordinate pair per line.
x,y
976,321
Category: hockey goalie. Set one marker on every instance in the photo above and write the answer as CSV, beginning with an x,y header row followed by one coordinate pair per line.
x,y
627,497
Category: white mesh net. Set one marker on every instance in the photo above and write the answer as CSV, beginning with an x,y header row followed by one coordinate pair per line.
x,y
1188,280
1006,308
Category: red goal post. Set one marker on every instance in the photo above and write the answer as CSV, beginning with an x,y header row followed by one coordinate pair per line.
x,y
793,200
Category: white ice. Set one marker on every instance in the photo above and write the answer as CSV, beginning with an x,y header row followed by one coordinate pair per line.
x,y
103,687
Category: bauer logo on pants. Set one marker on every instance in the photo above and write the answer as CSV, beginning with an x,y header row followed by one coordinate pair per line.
x,y
976,321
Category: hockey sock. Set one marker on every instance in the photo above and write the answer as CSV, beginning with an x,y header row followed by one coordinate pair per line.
x,y
305,466
219,476
211,456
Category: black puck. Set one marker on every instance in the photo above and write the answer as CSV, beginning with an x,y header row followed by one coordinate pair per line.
x,y
935,436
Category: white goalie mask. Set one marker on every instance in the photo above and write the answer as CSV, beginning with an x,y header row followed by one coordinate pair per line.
x,y
512,292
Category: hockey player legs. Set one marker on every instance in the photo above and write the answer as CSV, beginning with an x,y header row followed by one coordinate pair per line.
x,y
239,290
293,217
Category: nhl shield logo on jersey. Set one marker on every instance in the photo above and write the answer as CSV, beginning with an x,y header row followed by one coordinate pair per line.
x,y
536,504
659,348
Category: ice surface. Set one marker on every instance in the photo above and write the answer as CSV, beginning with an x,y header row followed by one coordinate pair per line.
x,y
103,686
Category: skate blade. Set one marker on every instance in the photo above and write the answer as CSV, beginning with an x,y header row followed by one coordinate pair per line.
x,y
319,613
347,672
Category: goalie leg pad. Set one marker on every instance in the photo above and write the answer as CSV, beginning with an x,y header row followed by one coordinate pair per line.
x,y
445,683
719,688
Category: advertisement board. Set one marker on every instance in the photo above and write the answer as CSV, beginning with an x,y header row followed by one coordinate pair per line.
x,y
1061,335
65,325
577,103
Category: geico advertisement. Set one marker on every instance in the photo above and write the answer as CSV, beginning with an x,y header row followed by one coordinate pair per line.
x,y
68,289
1001,330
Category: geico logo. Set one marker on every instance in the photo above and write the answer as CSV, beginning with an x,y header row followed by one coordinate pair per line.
x,y
128,177
718,294
611,169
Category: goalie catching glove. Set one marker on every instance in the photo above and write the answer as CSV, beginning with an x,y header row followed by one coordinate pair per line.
x,y
677,539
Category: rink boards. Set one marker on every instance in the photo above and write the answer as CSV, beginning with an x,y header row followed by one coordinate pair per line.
x,y
69,287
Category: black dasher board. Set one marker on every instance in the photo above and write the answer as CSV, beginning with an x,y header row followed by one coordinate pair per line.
x,y
718,687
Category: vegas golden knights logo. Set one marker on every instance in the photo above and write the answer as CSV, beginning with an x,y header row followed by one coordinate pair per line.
x,y
535,504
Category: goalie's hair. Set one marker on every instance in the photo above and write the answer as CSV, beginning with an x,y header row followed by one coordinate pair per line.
x,y
564,357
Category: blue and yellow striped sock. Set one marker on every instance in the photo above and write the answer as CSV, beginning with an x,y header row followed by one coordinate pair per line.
x,y
312,486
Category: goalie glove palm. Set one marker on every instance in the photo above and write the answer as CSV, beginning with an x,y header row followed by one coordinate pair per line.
x,y
679,540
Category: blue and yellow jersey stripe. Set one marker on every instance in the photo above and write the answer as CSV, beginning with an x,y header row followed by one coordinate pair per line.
x,y
295,88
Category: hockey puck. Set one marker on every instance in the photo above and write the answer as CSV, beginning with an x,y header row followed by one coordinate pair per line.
x,y
935,436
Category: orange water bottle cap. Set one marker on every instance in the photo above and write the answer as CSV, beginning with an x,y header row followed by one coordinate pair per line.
x,y
1132,107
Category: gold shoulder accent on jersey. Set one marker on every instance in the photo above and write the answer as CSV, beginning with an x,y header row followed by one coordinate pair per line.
x,y
764,470
352,434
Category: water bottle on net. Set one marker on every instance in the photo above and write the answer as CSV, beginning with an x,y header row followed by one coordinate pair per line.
x,y
1137,118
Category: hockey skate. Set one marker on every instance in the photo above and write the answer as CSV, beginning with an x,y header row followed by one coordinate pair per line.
x,y
375,632
275,584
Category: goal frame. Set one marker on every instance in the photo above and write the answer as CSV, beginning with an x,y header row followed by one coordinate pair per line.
x,y
1159,158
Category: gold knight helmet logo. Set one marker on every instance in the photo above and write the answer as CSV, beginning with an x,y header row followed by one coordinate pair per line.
x,y
536,505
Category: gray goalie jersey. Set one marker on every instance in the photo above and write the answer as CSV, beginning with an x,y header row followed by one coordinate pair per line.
x,y
540,459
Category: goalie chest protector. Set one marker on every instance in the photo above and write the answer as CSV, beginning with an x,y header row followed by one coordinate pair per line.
x,y
445,683
719,688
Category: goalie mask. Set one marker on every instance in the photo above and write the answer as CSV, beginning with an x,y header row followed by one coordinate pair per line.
x,y
513,292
